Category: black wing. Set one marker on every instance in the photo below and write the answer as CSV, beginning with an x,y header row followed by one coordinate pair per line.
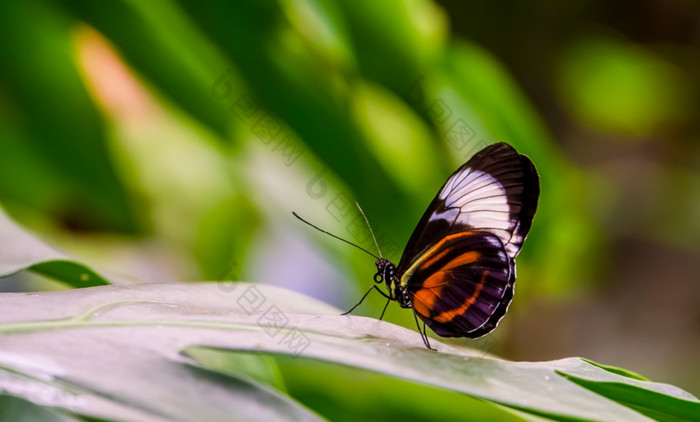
x,y
460,285
459,263
495,191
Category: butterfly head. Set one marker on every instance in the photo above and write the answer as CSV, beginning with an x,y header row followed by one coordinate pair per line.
x,y
385,270
386,273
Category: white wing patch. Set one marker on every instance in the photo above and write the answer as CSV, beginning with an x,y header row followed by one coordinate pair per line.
x,y
483,204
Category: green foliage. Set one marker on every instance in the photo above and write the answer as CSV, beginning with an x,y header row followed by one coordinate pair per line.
x,y
20,250
174,344
143,337
57,129
373,104
642,92
162,144
20,410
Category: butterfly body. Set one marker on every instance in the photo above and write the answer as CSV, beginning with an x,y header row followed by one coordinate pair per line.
x,y
457,271
386,272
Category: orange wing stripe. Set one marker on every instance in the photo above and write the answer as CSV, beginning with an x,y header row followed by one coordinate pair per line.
x,y
424,299
438,245
448,316
429,293
464,259
421,307
436,280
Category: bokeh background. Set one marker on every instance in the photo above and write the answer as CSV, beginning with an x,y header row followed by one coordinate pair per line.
x,y
171,140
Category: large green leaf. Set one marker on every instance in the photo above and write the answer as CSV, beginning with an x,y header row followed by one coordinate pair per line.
x,y
20,250
301,87
19,410
342,393
54,153
653,404
158,39
122,345
412,34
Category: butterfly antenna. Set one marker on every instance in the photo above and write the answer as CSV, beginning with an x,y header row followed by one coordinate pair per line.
x,y
370,228
339,238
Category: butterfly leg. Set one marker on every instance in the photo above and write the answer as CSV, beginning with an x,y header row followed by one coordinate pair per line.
x,y
422,333
363,298
385,306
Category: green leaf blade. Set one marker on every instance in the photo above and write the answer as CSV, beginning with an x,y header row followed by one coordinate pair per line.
x,y
147,326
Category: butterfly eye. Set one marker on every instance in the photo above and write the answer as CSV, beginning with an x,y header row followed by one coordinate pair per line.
x,y
378,278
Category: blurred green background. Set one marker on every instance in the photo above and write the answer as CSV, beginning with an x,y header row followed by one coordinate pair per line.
x,y
171,140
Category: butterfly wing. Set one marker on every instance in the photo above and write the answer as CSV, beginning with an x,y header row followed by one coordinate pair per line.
x,y
484,210
495,191
462,281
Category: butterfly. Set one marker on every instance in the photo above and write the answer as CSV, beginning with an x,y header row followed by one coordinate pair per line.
x,y
457,272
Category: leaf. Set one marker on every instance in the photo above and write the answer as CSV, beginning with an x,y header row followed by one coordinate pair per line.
x,y
293,88
19,410
257,367
616,370
62,132
342,393
660,407
129,373
123,345
20,250
411,34
158,39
